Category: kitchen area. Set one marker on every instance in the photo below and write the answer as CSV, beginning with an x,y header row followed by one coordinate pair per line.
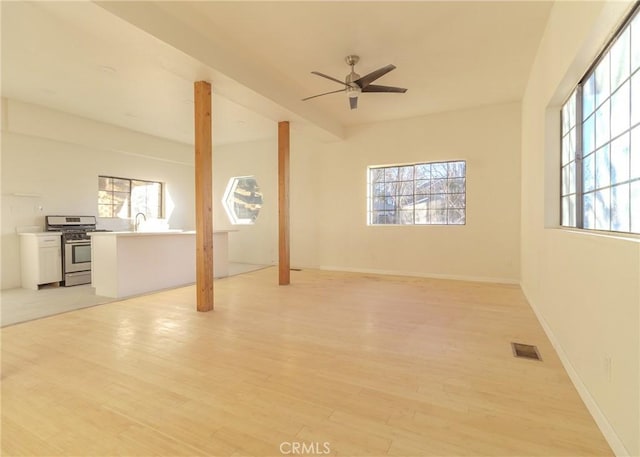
x,y
100,265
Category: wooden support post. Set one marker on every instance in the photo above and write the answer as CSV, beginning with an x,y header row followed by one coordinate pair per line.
x,y
283,203
204,196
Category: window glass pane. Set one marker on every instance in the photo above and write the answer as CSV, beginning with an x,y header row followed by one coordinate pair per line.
x,y
620,60
421,202
569,113
406,173
439,170
406,201
588,97
456,200
635,43
405,217
620,208
569,211
635,99
568,179
391,174
456,185
634,152
421,217
423,171
383,217
569,147
121,185
438,186
105,211
620,110
602,80
105,183
588,135
423,186
378,203
565,180
390,189
620,159
104,197
405,187
418,194
589,172
438,201
438,216
376,175
565,150
456,169
379,189
589,211
603,167
603,209
602,124
390,203
456,216
635,207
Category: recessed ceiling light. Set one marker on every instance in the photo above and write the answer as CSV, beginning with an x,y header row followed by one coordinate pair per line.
x,y
108,69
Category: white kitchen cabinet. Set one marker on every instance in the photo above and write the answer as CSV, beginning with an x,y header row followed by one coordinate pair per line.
x,y
41,259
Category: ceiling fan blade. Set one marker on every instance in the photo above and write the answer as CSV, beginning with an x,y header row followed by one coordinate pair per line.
x,y
326,93
374,88
329,77
353,102
371,77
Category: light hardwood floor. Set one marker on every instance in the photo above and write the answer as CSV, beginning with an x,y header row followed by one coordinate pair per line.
x,y
369,365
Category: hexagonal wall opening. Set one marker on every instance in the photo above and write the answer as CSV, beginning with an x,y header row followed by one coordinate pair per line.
x,y
242,200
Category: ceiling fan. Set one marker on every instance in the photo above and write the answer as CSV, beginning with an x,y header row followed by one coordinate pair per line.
x,y
354,84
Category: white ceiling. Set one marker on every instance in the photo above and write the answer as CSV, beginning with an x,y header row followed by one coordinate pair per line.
x,y
133,63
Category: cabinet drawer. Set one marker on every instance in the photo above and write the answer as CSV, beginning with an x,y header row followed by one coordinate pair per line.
x,y
52,240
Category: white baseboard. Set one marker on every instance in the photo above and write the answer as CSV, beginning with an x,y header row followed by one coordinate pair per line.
x,y
617,446
421,275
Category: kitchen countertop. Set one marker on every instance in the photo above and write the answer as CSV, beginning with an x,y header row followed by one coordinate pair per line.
x,y
40,233
166,232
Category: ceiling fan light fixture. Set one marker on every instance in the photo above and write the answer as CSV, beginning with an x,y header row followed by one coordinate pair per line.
x,y
354,84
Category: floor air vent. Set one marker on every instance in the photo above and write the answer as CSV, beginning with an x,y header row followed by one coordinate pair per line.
x,y
526,351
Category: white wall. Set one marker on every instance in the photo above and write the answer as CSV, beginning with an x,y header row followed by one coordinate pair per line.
x,y
58,157
329,198
585,288
257,243
486,248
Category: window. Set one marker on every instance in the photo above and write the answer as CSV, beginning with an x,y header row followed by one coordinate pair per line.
x,y
123,197
418,194
242,200
600,149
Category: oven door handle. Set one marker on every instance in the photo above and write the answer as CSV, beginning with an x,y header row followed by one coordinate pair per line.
x,y
87,242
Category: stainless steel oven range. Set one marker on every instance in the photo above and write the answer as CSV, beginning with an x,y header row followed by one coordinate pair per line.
x,y
76,246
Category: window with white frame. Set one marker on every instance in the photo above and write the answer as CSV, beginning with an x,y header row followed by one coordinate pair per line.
x,y
417,194
124,197
600,149
242,200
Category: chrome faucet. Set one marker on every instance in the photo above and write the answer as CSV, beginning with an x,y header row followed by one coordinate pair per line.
x,y
137,224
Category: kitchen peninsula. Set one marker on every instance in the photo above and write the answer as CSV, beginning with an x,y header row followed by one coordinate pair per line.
x,y
133,263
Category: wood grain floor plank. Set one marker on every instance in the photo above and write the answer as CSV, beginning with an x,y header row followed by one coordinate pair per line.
x,y
371,365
